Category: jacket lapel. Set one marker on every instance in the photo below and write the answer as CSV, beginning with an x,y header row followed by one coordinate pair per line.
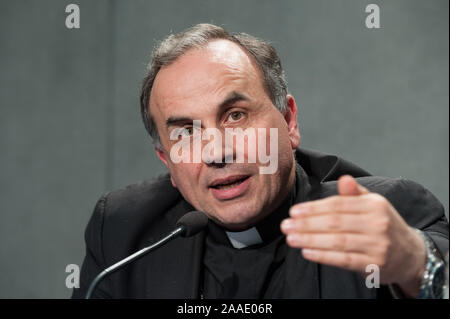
x,y
174,270
302,277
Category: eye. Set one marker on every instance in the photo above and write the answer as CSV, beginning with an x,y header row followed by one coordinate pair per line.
x,y
235,116
187,131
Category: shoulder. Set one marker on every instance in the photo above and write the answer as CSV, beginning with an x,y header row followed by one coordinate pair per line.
x,y
150,197
417,205
325,169
387,186
126,218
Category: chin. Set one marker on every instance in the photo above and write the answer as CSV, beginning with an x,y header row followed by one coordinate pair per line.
x,y
236,218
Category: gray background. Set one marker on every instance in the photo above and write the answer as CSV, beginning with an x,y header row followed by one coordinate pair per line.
x,y
70,127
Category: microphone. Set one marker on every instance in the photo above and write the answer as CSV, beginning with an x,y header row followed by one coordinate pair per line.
x,y
187,226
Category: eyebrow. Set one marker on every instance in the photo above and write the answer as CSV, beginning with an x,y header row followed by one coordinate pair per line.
x,y
231,98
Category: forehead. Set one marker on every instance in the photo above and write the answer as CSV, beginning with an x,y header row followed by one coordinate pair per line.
x,y
203,76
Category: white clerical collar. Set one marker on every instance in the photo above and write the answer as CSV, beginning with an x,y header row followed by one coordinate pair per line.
x,y
242,239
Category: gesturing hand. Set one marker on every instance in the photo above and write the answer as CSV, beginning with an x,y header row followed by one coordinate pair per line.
x,y
357,228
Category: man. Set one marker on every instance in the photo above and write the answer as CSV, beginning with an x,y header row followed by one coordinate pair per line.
x,y
309,229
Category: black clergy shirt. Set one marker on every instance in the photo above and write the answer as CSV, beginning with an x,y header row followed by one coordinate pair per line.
x,y
255,271
207,264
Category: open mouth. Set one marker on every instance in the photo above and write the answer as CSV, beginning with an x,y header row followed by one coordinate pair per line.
x,y
229,182
230,187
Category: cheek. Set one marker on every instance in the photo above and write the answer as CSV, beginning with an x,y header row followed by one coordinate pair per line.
x,y
276,141
185,176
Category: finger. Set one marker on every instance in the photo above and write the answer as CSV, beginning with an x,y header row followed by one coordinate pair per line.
x,y
333,242
332,204
348,186
348,260
326,223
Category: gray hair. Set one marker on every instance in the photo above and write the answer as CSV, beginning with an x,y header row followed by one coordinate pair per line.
x,y
198,36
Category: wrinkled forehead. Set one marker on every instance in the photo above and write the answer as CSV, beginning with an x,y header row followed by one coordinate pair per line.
x,y
202,75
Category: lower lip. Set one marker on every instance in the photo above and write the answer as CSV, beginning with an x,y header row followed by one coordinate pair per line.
x,y
230,193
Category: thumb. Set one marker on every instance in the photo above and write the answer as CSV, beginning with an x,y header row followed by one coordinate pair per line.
x,y
348,186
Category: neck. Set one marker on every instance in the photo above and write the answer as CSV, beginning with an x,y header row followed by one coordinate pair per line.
x,y
265,229
280,199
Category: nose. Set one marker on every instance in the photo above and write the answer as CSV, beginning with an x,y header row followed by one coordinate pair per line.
x,y
219,162
216,165
217,153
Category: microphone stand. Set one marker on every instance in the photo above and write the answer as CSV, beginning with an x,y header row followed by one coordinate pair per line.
x,y
177,232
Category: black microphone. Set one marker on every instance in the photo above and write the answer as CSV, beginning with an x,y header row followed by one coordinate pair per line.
x,y
188,225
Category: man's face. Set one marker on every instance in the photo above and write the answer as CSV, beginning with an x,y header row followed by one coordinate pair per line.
x,y
221,86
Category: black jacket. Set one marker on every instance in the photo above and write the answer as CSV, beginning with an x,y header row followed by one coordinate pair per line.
x,y
129,219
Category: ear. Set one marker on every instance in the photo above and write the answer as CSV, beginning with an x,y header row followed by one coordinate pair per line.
x,y
291,119
162,157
